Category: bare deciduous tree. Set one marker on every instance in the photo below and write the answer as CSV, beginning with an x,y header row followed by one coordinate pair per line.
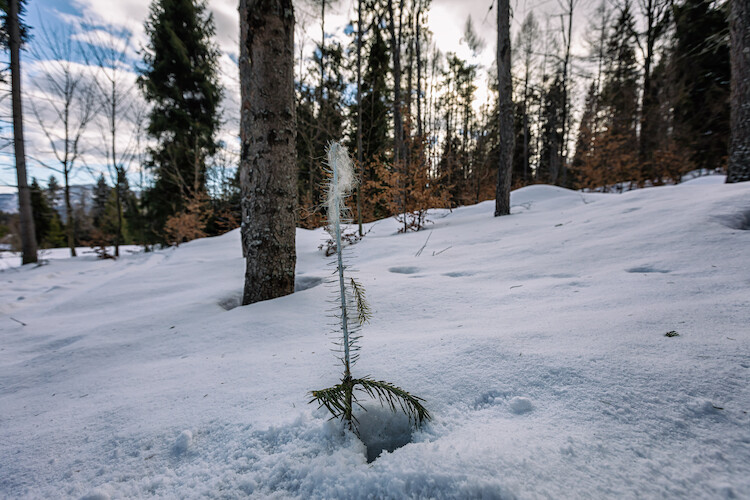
x,y
64,105
110,53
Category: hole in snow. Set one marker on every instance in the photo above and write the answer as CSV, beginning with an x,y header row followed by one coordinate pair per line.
x,y
381,429
231,302
739,220
490,398
305,282
404,270
458,274
647,269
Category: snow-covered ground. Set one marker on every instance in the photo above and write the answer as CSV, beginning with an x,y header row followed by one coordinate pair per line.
x,y
538,341
13,259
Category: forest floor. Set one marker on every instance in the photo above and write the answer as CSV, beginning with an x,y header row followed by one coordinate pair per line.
x,y
539,342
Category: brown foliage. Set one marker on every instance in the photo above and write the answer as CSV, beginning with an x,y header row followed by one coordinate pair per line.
x,y
189,224
610,162
408,191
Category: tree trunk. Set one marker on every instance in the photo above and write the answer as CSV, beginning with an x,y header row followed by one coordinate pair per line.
x,y
563,171
268,170
70,230
26,219
359,116
399,153
118,179
398,126
738,169
502,193
419,70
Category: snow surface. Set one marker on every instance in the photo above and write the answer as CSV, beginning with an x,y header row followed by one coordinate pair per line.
x,y
538,341
10,259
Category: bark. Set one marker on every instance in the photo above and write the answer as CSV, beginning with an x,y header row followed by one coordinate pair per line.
x,y
654,12
268,170
359,115
398,126
28,237
69,213
738,169
502,193
566,65
419,70
399,151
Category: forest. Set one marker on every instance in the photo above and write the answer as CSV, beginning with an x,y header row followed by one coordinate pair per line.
x,y
640,98
301,250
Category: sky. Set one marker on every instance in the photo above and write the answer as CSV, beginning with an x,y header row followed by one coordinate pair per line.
x,y
446,19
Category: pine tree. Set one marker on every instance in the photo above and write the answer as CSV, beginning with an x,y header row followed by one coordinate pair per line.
x,y
320,119
702,75
620,91
47,224
100,197
375,118
181,83
616,143
548,168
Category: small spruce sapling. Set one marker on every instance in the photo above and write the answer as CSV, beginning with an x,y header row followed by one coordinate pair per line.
x,y
354,312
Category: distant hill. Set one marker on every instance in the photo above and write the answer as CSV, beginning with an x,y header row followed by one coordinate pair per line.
x,y
81,193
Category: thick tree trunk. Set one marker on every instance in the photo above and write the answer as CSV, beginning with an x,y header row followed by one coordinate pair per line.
x,y
502,193
28,237
739,148
268,169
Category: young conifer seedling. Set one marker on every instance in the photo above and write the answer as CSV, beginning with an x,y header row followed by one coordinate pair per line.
x,y
353,312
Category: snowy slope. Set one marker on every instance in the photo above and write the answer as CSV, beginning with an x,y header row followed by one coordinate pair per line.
x,y
538,341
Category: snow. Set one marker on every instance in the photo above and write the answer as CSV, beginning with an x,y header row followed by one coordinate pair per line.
x,y
537,340
9,259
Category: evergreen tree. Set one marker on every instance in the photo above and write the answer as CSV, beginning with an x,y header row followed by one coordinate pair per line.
x,y
585,142
701,69
100,197
53,191
48,227
375,103
320,119
548,168
180,81
619,102
375,119
621,76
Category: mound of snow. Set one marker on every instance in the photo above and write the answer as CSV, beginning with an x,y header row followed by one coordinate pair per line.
x,y
537,341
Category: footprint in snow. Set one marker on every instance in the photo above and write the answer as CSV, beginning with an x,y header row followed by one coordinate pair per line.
x,y
520,405
404,270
